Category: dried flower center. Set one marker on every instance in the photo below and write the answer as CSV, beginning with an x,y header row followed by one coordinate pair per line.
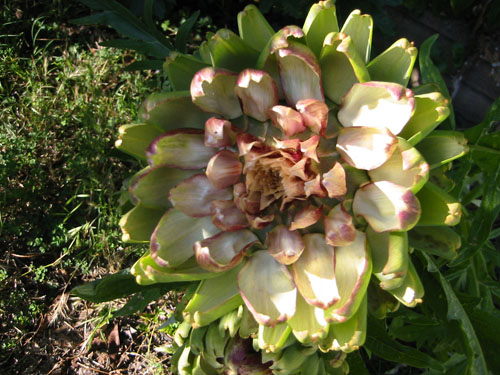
x,y
274,176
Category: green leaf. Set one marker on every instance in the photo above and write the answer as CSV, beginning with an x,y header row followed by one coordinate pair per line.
x,y
380,343
174,237
487,327
351,334
214,298
151,185
142,299
140,46
181,69
341,66
406,167
430,74
254,28
118,285
144,65
197,342
483,219
357,364
184,30
172,110
394,64
147,272
430,110
320,21
390,257
272,339
457,312
439,240
126,23
455,365
134,139
139,223
184,149
231,52
292,359
411,291
442,146
474,136
305,324
353,268
360,28
148,14
438,207
268,289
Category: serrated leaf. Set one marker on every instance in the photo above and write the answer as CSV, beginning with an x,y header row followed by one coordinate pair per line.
x,y
457,312
440,240
430,74
380,343
487,327
483,219
474,136
118,285
141,300
126,23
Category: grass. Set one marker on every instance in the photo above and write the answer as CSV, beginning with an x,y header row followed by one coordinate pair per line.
x,y
61,102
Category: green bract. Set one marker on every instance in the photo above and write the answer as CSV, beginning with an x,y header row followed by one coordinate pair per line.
x,y
287,179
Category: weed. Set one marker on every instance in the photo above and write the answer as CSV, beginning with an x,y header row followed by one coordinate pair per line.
x,y
60,176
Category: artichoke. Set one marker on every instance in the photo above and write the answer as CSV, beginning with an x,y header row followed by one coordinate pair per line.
x,y
286,174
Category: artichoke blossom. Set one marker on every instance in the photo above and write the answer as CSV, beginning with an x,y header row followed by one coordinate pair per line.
x,y
285,174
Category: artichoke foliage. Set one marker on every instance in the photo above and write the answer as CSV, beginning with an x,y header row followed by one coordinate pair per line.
x,y
288,176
